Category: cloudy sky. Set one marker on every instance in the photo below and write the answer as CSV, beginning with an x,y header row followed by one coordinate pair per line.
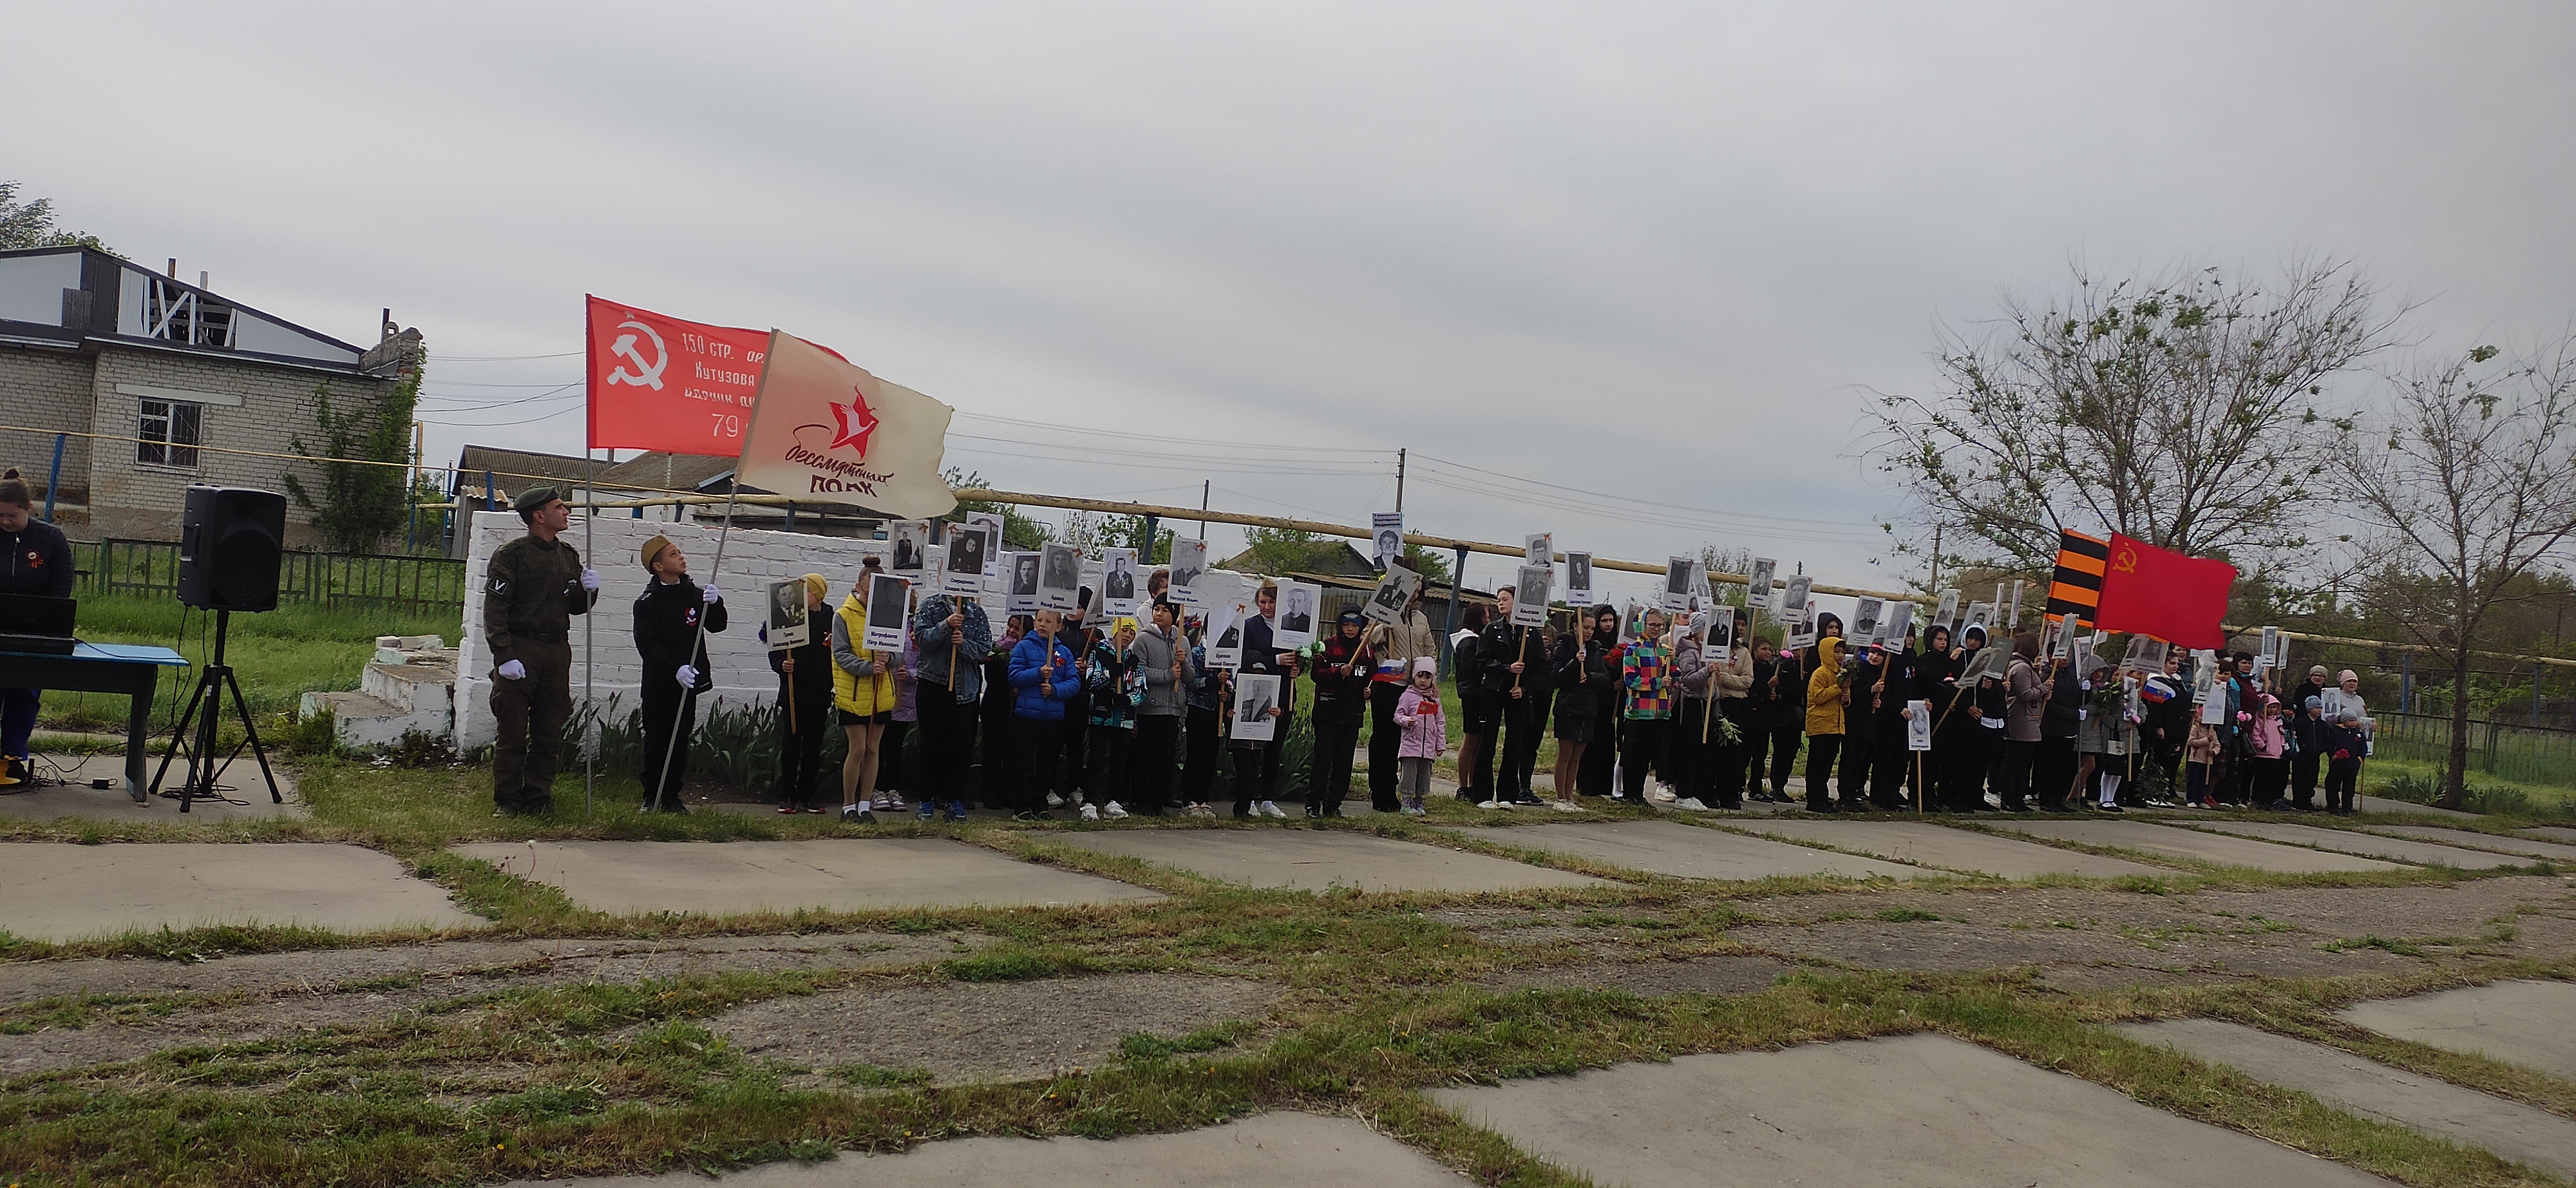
x,y
1654,256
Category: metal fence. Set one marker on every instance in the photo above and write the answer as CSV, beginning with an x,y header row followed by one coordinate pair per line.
x,y
365,581
2508,751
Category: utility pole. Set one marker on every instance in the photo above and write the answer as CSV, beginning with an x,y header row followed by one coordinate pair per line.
x,y
1936,558
1204,485
1399,482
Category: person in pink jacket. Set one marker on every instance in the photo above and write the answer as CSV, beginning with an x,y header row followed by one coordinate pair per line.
x,y
2269,760
1425,734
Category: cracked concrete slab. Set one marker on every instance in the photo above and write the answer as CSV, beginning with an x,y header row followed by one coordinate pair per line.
x,y
2472,839
836,874
2519,1022
1686,851
105,890
1322,859
2193,844
2354,841
1953,849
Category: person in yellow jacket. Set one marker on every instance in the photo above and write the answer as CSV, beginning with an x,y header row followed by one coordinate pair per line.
x,y
1825,698
863,690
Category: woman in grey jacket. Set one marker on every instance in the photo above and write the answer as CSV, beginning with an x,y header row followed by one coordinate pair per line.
x,y
1165,660
2026,701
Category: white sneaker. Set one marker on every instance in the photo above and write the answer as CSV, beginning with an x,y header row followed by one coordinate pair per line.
x,y
1089,813
1492,804
1269,808
1690,804
890,800
1054,801
1414,811
1663,793
1114,812
1566,806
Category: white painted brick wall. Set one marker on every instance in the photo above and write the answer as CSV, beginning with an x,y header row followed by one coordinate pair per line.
x,y
752,560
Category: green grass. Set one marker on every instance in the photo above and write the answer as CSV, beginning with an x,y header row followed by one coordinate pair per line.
x,y
277,655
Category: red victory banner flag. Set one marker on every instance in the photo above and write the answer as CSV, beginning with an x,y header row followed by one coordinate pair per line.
x,y
2151,591
661,383
825,429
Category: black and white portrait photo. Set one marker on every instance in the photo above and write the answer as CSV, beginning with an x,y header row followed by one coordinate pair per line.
x,y
911,546
1059,576
1864,624
1793,599
1757,593
887,613
990,526
1578,578
1297,606
1718,646
1530,594
1255,695
1119,584
1024,583
1947,614
1387,530
1677,582
788,625
1394,592
1900,619
1189,560
964,574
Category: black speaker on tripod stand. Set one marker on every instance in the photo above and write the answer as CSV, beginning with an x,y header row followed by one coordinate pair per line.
x,y
231,542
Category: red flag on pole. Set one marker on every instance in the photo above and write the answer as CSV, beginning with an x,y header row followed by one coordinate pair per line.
x,y
661,383
2151,591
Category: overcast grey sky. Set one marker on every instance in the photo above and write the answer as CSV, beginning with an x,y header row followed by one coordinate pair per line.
x,y
1653,252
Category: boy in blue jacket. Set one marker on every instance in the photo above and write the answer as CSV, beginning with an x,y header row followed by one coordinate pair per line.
x,y
1043,679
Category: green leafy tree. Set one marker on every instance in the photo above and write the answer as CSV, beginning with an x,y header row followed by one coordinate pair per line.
x,y
1432,566
361,501
30,224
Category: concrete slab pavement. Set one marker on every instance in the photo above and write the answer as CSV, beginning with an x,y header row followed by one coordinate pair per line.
x,y
2552,833
2353,841
2194,844
1687,851
77,891
2472,839
74,798
1274,1150
1952,849
1321,859
2374,1090
2521,1022
2381,804
1924,1111
837,874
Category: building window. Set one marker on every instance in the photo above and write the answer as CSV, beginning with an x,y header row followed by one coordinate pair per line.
x,y
170,431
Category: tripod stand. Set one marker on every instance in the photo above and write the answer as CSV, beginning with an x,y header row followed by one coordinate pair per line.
x,y
216,677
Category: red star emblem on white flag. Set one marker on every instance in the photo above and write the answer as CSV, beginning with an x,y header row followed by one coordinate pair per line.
x,y
856,422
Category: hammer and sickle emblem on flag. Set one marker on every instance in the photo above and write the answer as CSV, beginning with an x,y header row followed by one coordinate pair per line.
x,y
2125,561
646,375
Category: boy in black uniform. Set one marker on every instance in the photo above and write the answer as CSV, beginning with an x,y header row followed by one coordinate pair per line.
x,y
667,616
37,560
532,588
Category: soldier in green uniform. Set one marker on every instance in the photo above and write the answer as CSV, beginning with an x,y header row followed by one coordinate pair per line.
x,y
533,587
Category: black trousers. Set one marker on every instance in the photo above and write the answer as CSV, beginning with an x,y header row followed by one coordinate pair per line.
x,y
1957,767
1727,762
661,781
947,744
1891,771
1524,725
801,778
1641,741
1784,755
1384,738
1600,756
1037,746
1695,747
1151,757
1852,786
2343,779
1198,764
1821,750
2053,772
1330,763
890,757
2303,779
1077,725
1256,768
2012,779
1105,775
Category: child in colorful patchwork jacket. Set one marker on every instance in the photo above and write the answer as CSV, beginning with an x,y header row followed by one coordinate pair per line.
x,y
1425,734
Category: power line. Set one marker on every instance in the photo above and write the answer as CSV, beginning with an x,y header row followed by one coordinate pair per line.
x,y
1784,520
1199,441
499,358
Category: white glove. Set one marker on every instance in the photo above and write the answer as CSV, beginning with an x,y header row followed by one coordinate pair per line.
x,y
713,594
589,579
689,675
513,671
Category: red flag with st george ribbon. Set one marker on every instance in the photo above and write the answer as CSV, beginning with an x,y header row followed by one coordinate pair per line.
x,y
664,383
2151,591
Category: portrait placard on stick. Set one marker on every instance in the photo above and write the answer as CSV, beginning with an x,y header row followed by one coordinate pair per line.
x,y
2146,655
1386,532
1864,624
1757,593
1118,582
1677,582
1918,727
1796,606
1529,595
1394,592
911,547
1801,639
1900,619
1717,643
1255,695
1224,608
1948,613
990,524
1578,579
1024,583
2051,628
887,613
1189,560
1982,615
789,625
1539,549
1298,604
2012,617
1059,576
962,574
2270,649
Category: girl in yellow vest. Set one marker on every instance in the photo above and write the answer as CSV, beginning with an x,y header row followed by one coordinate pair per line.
x,y
863,690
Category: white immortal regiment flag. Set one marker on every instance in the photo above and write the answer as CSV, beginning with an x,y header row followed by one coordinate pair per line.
x,y
824,429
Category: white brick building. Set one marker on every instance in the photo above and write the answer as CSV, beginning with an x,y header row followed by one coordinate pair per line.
x,y
92,344
740,662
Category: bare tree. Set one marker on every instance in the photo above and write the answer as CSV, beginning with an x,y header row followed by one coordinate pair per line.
x,y
2469,478
2181,411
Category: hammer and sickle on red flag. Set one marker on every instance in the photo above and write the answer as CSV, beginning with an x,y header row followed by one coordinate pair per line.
x,y
856,422
2125,560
